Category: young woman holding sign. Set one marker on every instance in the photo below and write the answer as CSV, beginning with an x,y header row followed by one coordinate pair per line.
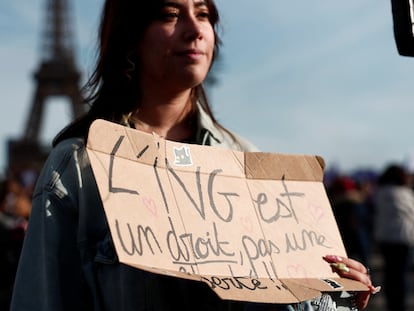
x,y
153,58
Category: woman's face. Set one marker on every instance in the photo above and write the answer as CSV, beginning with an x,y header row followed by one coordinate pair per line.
x,y
177,48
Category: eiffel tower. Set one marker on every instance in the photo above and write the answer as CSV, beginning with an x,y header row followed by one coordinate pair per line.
x,y
57,75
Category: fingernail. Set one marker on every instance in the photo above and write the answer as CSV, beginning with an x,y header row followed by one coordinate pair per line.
x,y
340,266
333,258
375,290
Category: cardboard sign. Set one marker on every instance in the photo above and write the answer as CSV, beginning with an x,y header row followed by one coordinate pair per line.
x,y
253,226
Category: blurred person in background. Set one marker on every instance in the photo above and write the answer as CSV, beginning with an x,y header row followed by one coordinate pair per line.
x,y
352,213
394,232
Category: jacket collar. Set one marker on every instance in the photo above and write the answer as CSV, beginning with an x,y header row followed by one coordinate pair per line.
x,y
206,127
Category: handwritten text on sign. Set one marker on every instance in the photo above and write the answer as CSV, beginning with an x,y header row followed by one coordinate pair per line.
x,y
191,210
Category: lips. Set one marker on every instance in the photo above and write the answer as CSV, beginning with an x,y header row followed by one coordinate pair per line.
x,y
191,53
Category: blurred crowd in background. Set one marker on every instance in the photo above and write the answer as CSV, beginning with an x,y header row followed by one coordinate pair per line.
x,y
375,215
15,205
374,212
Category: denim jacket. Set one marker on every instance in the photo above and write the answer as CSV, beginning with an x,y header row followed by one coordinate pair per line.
x,y
68,261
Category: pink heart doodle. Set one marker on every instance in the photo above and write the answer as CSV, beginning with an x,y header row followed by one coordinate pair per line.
x,y
317,212
150,205
299,272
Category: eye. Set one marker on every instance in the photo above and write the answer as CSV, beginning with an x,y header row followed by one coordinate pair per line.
x,y
204,15
169,15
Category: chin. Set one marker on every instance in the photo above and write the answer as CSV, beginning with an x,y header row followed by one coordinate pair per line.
x,y
192,80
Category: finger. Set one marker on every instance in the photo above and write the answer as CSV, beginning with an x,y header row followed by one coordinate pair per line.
x,y
349,268
362,300
344,264
348,272
355,265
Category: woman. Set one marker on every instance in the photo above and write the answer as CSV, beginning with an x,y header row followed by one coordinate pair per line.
x,y
153,58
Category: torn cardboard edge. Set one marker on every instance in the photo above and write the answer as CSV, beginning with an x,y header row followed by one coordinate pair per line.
x,y
253,226
295,167
262,290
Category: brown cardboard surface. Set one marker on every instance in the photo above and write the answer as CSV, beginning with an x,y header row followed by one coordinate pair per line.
x,y
253,226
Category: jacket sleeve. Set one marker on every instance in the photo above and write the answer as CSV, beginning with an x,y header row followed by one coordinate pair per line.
x,y
49,275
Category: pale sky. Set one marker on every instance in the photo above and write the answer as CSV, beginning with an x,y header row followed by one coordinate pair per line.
x,y
319,77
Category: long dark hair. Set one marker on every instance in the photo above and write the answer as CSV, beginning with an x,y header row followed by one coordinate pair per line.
x,y
112,90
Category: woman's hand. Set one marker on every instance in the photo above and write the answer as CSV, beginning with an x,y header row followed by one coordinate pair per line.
x,y
352,269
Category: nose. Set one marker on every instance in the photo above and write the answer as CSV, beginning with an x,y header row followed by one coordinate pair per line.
x,y
192,29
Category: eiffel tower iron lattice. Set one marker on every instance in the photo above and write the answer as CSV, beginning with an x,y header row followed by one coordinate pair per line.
x,y
57,75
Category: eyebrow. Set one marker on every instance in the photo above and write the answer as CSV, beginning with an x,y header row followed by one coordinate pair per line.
x,y
175,4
